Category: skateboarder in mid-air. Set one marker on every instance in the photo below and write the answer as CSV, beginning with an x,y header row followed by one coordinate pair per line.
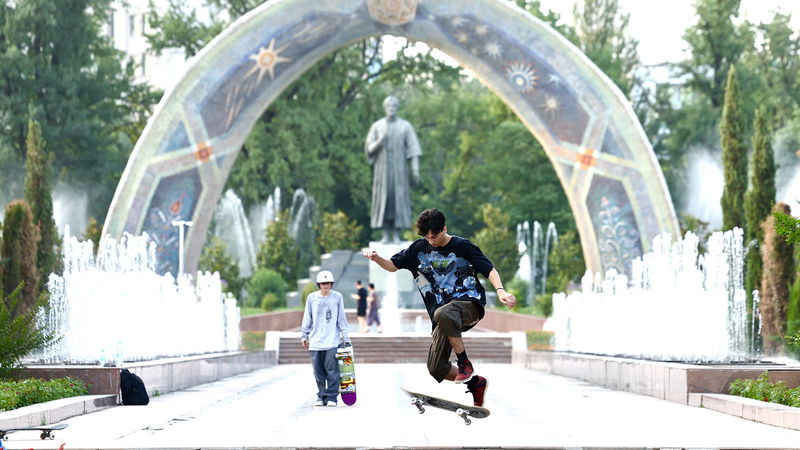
x,y
446,269
323,321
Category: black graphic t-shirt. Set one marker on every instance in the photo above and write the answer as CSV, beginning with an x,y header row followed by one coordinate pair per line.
x,y
446,273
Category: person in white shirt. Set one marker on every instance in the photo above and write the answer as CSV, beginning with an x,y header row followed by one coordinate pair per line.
x,y
324,327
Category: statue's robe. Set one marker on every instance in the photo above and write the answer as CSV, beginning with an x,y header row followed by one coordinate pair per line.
x,y
391,193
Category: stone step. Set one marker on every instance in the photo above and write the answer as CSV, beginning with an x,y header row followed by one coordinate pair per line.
x,y
403,349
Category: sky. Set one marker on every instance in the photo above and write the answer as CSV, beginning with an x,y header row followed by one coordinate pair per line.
x,y
659,24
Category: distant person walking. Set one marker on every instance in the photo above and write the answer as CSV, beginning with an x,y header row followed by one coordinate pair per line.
x,y
324,327
446,269
361,306
373,303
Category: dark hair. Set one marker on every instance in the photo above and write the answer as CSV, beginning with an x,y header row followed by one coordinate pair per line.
x,y
358,281
430,220
372,286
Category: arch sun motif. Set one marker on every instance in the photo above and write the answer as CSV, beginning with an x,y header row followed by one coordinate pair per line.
x,y
522,76
266,59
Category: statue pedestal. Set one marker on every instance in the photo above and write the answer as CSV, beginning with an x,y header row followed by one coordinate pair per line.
x,y
407,295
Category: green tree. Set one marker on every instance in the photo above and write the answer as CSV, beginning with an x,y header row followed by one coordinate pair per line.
x,y
758,200
498,242
603,36
278,251
37,194
778,62
734,156
778,266
787,226
20,242
683,113
566,263
58,68
94,232
215,259
472,137
20,331
338,232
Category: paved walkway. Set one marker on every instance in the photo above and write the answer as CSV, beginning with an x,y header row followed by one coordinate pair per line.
x,y
274,408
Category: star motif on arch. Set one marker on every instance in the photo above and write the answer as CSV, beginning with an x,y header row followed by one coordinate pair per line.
x,y
265,60
493,49
458,21
551,105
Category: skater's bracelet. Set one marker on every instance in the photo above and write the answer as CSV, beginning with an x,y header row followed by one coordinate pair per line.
x,y
501,287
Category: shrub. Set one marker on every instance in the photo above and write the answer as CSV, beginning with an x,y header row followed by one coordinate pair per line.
x,y
279,250
16,394
215,259
539,340
307,290
520,288
265,281
19,332
338,232
543,305
271,302
253,340
762,389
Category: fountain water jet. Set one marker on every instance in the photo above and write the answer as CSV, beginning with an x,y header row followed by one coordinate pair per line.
x,y
116,306
535,247
233,228
678,305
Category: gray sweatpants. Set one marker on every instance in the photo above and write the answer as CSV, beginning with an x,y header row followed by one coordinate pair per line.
x,y
451,319
326,372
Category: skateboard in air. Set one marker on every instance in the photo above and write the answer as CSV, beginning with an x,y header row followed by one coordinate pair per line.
x,y
347,375
47,430
463,411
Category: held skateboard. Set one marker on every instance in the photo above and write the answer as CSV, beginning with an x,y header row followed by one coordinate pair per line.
x,y
47,430
463,411
347,375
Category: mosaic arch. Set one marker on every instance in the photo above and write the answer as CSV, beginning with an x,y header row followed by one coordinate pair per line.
x,y
598,149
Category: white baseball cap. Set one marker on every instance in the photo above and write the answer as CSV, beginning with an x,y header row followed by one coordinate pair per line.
x,y
325,276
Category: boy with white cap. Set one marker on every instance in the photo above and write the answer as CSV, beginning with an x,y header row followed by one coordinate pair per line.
x,y
324,321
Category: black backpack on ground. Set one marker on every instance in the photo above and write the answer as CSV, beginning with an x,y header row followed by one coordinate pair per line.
x,y
132,387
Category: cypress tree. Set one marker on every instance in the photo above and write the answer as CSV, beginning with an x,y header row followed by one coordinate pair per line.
x,y
777,255
734,156
38,196
758,200
20,242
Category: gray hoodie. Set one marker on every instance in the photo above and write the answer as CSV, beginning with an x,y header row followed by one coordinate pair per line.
x,y
323,320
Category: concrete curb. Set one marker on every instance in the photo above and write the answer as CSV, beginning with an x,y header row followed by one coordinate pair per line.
x,y
755,410
55,411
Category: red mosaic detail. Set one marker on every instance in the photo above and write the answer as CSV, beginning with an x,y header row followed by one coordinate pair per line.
x,y
587,159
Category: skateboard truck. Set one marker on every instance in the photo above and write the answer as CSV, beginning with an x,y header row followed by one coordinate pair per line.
x,y
418,403
463,413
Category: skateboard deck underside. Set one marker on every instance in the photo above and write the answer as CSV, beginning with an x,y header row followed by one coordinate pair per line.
x,y
46,431
421,400
347,375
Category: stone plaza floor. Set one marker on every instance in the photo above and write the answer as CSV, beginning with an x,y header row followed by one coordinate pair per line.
x,y
273,408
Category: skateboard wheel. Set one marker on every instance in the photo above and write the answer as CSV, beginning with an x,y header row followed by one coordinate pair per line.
x,y
421,410
43,436
467,421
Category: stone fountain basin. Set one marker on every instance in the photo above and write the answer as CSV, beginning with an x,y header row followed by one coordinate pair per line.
x,y
673,381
